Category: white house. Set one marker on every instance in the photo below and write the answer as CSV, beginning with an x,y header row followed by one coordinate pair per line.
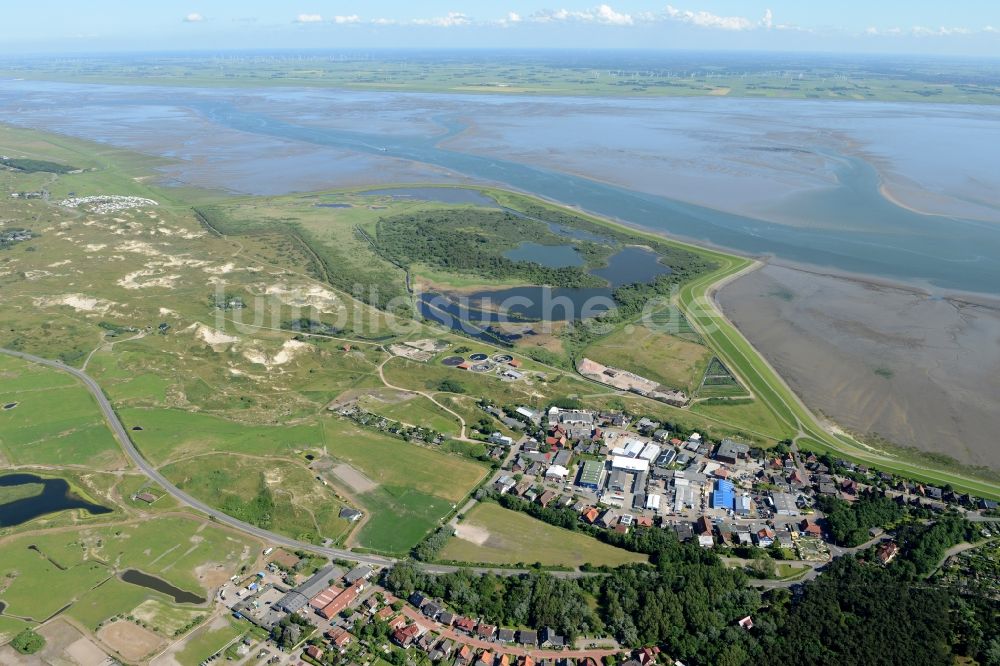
x,y
557,472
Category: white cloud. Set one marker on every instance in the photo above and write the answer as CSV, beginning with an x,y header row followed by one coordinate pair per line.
x,y
309,18
384,21
512,18
347,20
607,15
451,20
601,14
704,19
194,17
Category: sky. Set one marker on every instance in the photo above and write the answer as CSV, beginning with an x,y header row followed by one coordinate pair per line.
x,y
958,27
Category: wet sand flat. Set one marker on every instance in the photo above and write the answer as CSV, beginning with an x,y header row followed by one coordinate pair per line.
x,y
914,370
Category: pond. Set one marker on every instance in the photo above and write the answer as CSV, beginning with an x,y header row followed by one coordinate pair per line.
x,y
470,313
55,496
550,256
136,577
450,195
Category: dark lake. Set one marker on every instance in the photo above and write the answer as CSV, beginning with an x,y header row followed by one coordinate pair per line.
x,y
56,496
470,313
551,256
136,577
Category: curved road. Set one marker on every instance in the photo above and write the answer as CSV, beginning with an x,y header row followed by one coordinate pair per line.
x,y
126,443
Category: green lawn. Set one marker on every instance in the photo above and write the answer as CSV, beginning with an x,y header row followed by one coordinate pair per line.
x,y
56,420
512,537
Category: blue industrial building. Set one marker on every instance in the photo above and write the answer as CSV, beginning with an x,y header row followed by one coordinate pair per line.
x,y
722,496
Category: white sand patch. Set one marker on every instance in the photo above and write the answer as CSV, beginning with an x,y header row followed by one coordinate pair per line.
x,y
191,235
312,296
220,270
472,533
167,312
139,247
134,280
289,350
36,275
212,336
94,247
173,262
57,264
78,302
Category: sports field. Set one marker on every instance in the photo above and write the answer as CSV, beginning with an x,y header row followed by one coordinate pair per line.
x,y
495,535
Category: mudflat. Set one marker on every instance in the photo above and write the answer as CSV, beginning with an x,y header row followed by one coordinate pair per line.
x,y
914,370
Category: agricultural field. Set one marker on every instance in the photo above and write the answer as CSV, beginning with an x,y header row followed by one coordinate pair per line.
x,y
492,534
667,359
812,78
51,419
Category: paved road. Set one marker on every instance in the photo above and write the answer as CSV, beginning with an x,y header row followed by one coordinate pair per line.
x,y
126,443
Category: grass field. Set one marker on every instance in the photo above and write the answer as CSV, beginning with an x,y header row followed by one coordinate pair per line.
x,y
10,627
79,567
303,508
511,537
414,486
174,434
414,410
670,360
165,619
393,462
751,415
208,640
55,422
